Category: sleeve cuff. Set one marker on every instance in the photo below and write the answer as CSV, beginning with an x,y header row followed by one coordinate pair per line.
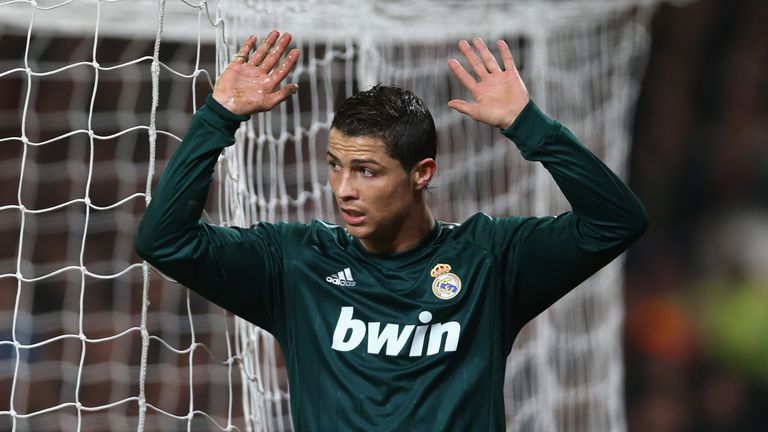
x,y
219,117
530,129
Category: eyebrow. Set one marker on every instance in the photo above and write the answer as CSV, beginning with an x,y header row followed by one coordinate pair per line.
x,y
355,161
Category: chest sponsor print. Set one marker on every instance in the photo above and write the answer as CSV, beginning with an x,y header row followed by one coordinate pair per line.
x,y
392,339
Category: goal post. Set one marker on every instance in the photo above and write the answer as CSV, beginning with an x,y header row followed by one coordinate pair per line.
x,y
96,95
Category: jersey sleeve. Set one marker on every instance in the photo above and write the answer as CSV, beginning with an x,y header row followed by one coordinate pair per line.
x,y
238,269
545,257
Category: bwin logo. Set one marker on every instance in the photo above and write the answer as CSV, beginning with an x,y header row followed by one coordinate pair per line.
x,y
350,332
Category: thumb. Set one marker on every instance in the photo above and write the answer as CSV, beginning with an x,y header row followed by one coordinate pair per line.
x,y
282,94
461,106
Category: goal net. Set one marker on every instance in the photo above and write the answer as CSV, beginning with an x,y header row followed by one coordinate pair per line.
x,y
96,94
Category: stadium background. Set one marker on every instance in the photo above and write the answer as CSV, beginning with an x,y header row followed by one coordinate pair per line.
x,y
697,281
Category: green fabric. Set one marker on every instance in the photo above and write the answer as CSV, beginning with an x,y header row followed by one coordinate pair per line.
x,y
365,356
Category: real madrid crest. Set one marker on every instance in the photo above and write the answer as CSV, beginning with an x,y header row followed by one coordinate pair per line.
x,y
446,284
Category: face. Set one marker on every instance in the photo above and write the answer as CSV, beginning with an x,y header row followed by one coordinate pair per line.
x,y
377,198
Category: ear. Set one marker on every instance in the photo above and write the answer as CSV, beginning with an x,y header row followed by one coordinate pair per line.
x,y
422,173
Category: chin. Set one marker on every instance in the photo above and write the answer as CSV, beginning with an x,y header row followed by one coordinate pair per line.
x,y
359,232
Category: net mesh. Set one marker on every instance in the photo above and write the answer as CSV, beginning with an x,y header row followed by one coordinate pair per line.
x,y
92,339
565,372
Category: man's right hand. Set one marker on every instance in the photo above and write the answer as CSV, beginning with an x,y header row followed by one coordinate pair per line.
x,y
247,86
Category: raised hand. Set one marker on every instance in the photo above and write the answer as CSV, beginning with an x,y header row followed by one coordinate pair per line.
x,y
499,95
247,85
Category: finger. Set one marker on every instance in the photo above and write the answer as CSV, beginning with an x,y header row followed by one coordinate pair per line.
x,y
282,71
263,49
242,54
464,77
275,53
281,95
488,60
506,56
461,106
473,59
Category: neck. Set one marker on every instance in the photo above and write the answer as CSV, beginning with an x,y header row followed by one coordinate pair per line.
x,y
415,227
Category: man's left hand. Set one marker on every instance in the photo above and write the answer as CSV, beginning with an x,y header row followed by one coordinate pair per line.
x,y
499,94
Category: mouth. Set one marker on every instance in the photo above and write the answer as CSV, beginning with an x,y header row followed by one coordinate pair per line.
x,y
352,217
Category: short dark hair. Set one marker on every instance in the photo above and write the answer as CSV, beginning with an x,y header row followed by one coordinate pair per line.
x,y
396,116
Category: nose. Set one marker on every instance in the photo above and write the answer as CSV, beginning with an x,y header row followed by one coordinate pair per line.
x,y
346,190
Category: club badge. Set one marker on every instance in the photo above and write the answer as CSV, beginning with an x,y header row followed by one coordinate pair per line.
x,y
446,284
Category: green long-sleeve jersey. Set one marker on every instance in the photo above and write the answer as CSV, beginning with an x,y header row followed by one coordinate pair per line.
x,y
411,341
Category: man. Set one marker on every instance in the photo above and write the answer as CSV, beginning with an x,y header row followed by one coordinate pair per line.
x,y
394,321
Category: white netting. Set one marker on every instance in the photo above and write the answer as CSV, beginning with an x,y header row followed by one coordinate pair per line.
x,y
95,96
91,340
565,372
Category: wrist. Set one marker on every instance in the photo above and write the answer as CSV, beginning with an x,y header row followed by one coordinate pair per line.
x,y
223,110
512,114
226,102
507,120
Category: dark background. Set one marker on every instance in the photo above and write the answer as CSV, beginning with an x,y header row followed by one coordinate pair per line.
x,y
697,285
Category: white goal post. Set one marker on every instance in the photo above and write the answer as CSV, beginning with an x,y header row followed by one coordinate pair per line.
x,y
96,95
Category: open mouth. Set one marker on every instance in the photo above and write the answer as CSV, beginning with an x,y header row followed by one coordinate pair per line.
x,y
352,217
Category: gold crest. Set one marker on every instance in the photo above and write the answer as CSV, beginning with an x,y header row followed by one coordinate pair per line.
x,y
440,269
446,285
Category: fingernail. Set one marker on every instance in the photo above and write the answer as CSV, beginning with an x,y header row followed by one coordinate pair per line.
x,y
292,88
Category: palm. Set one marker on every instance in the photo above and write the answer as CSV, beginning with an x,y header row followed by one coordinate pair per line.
x,y
249,86
499,95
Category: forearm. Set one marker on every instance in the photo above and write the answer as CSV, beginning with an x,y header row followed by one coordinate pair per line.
x,y
606,218
608,213
170,225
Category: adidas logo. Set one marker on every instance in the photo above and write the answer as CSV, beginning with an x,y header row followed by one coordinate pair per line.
x,y
342,278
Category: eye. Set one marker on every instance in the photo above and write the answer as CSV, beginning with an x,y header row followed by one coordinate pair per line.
x,y
366,172
333,165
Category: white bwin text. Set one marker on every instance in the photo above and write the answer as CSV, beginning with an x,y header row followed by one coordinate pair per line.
x,y
350,332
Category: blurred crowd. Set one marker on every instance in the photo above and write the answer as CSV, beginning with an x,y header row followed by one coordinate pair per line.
x,y
697,282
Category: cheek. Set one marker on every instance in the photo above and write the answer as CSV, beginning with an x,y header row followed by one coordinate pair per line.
x,y
332,179
392,200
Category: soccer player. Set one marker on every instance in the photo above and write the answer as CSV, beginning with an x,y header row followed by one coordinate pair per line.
x,y
394,321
